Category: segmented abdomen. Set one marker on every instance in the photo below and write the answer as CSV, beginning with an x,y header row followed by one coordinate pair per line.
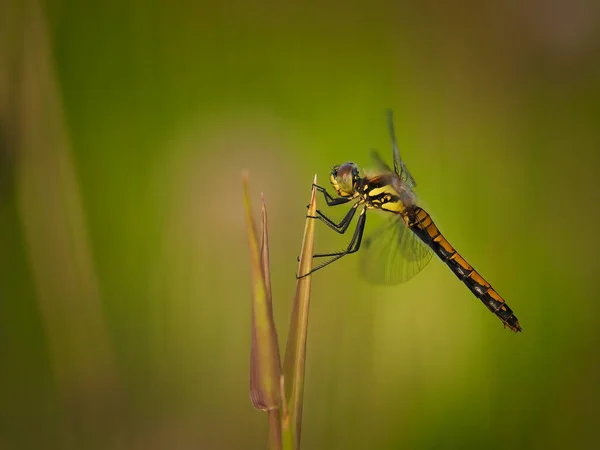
x,y
420,222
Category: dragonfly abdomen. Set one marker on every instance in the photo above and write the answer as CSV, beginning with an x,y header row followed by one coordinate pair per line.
x,y
420,223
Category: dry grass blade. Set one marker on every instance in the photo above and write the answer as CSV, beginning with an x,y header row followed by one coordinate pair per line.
x,y
295,351
265,365
264,256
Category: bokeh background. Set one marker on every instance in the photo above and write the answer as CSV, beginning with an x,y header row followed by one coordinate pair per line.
x,y
124,276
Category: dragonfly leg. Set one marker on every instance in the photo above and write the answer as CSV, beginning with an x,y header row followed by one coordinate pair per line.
x,y
338,227
331,201
353,246
341,227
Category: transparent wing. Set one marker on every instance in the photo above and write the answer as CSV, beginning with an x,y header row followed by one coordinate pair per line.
x,y
399,166
380,163
393,254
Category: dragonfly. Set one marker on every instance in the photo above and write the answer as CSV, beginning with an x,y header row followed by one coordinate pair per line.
x,y
405,244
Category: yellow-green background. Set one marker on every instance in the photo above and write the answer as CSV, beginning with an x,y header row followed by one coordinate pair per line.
x,y
124,276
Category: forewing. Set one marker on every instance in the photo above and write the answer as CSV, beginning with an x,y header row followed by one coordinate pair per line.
x,y
393,254
399,166
380,163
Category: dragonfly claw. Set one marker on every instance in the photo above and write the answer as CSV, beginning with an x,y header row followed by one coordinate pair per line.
x,y
302,276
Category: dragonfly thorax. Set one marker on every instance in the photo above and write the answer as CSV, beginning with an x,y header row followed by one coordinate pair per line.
x,y
344,179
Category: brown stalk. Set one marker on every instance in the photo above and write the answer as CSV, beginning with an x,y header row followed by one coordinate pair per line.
x,y
295,352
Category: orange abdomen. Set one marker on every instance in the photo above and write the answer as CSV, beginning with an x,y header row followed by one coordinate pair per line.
x,y
420,223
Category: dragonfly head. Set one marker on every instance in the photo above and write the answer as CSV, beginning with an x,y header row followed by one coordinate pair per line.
x,y
344,179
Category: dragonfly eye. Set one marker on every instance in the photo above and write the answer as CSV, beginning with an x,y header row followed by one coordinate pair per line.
x,y
343,179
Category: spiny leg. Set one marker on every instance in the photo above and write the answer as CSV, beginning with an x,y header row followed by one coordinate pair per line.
x,y
353,246
329,199
337,227
345,222
341,227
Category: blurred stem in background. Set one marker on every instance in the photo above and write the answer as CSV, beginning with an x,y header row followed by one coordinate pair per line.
x,y
55,232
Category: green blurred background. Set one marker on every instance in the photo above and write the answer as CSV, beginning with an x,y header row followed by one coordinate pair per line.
x,y
124,275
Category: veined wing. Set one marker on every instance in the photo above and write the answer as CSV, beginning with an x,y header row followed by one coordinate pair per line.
x,y
393,254
399,166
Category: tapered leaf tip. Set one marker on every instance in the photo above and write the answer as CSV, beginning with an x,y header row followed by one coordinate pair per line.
x,y
264,353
